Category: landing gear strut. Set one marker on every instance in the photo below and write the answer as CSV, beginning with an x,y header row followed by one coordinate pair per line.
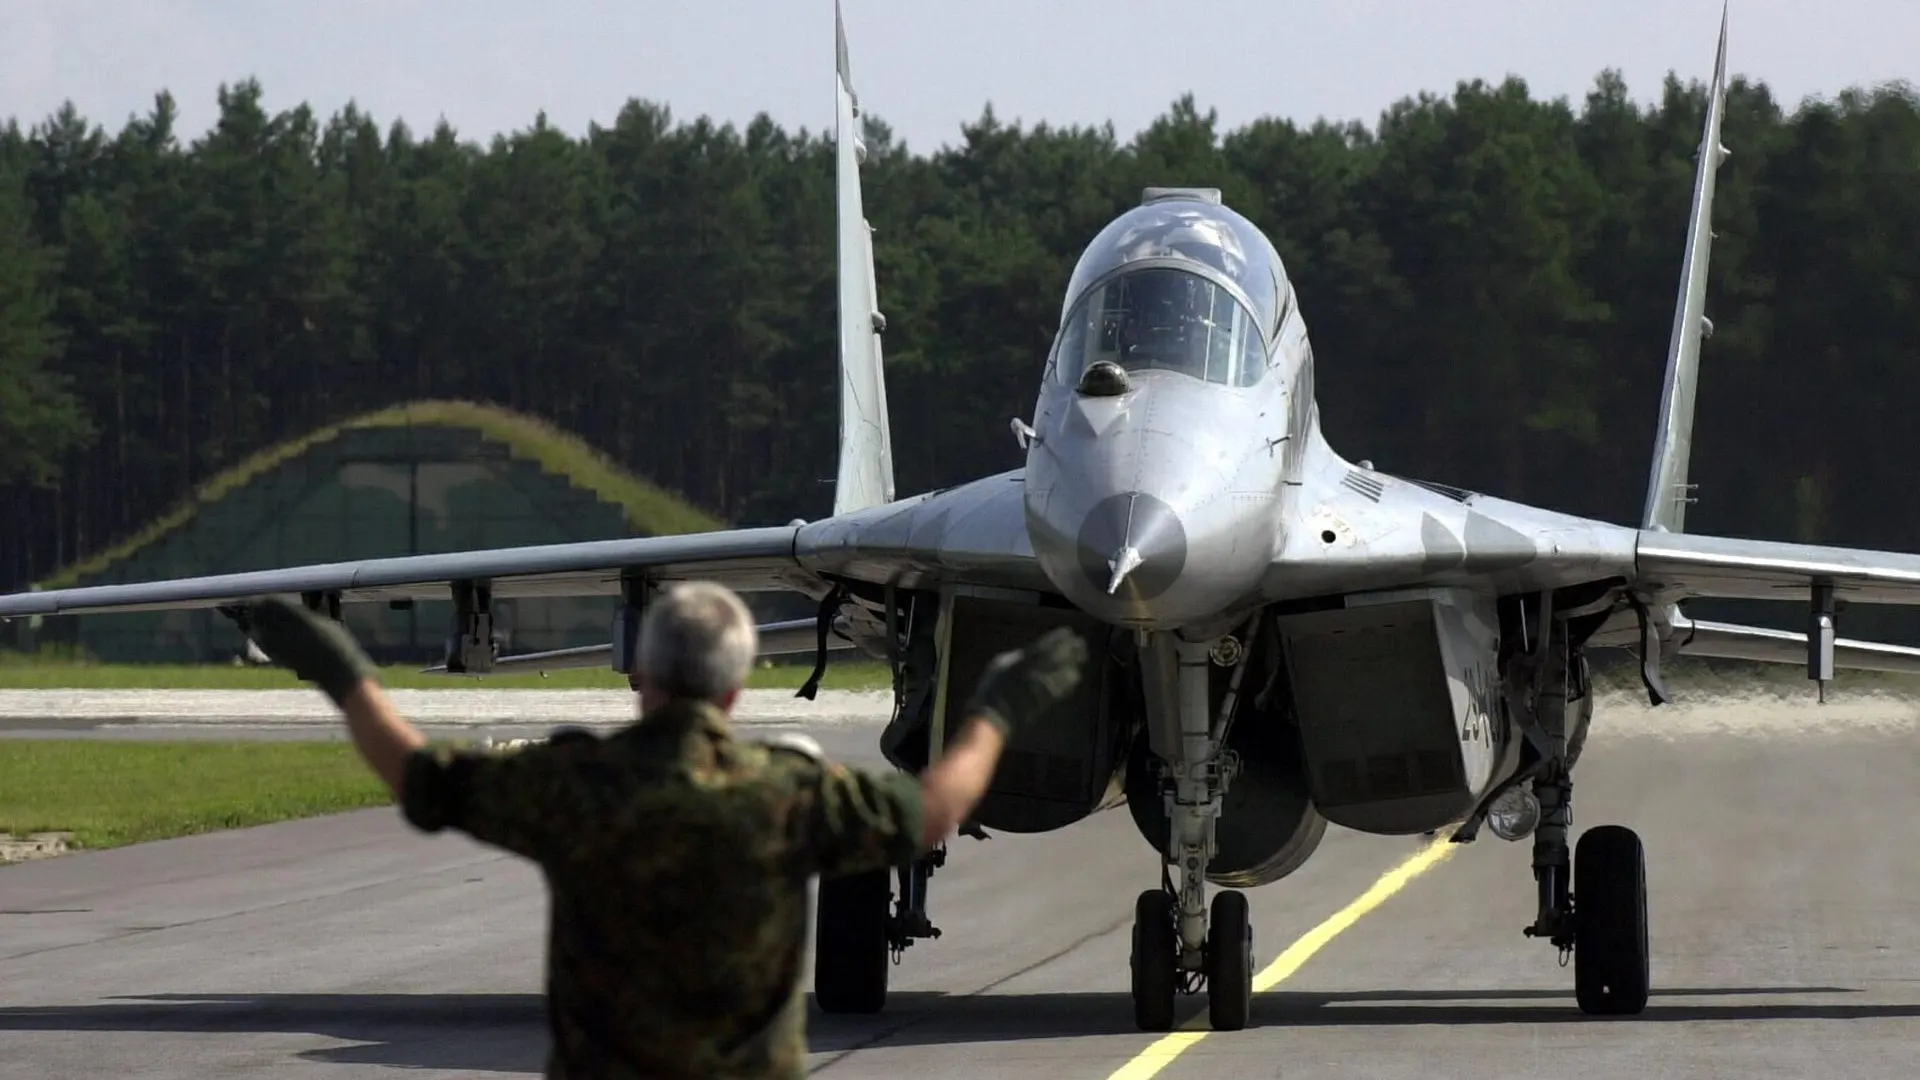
x,y
1173,949
857,938
1593,901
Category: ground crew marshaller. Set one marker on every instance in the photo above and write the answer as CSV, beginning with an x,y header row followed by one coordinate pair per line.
x,y
677,855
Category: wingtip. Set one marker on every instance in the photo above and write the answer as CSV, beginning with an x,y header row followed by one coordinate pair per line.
x,y
1720,58
840,46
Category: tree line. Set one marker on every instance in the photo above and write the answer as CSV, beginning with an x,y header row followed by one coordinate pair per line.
x,y
1488,279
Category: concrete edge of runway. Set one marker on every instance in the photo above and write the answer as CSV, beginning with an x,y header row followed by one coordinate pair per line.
x,y
1697,713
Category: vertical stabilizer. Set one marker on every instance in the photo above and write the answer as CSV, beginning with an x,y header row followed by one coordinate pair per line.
x,y
865,477
1667,489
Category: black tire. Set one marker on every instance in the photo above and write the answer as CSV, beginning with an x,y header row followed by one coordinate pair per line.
x,y
1229,961
850,942
1612,971
1155,960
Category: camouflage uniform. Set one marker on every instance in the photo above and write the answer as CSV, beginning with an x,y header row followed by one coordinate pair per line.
x,y
678,859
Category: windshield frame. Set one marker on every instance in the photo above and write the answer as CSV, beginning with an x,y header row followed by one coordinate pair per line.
x,y
1241,374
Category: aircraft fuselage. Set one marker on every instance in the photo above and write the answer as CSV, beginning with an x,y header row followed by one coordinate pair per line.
x,y
1170,417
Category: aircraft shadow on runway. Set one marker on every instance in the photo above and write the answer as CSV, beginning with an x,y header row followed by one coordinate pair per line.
x,y
461,1032
507,1032
932,1018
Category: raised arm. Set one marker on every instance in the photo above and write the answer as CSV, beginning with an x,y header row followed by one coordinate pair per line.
x,y
521,802
320,651
850,819
1017,688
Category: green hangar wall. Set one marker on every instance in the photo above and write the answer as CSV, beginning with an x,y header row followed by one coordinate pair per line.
x,y
420,479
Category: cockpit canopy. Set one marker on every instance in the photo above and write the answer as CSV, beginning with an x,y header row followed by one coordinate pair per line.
x,y
1159,318
1178,283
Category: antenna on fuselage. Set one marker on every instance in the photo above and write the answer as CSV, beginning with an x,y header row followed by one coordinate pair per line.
x,y
1167,194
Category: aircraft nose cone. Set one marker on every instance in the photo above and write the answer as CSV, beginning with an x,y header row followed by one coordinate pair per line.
x,y
1132,546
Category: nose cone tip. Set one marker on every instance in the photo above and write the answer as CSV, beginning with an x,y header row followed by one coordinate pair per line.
x,y
1132,545
1124,562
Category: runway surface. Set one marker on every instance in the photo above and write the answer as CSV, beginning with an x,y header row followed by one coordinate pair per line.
x,y
1785,924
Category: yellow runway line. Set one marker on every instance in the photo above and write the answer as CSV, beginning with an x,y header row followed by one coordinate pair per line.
x,y
1158,1056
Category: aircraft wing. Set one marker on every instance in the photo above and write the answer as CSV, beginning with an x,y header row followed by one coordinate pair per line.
x,y
747,560
1670,567
974,534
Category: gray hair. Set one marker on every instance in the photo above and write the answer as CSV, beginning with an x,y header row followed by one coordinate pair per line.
x,y
698,641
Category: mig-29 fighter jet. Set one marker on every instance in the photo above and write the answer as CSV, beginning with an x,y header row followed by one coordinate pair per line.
x,y
1283,638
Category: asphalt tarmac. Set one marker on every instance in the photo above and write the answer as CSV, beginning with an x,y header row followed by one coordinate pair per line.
x,y
1786,940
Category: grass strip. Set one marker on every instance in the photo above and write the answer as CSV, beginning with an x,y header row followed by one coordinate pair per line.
x,y
109,793
37,673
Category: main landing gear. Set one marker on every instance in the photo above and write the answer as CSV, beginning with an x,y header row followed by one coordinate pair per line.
x,y
1175,949
1593,900
1602,919
856,938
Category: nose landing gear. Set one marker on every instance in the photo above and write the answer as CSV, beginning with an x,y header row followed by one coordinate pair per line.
x,y
1180,941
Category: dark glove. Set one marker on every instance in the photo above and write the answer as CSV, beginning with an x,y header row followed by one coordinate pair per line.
x,y
1020,684
318,649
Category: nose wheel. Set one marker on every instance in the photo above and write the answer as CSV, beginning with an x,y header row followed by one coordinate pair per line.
x,y
1180,941
1226,964
1156,960
1229,961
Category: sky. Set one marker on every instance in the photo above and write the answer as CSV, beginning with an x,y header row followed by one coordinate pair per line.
x,y
489,66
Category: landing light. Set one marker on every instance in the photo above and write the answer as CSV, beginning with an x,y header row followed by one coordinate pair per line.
x,y
1515,814
1227,651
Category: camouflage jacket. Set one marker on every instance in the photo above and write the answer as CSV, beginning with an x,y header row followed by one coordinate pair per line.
x,y
678,858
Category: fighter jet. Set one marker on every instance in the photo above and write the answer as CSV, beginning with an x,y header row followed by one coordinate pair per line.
x,y
1283,637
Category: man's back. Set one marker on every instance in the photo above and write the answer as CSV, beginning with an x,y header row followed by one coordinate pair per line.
x,y
678,859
